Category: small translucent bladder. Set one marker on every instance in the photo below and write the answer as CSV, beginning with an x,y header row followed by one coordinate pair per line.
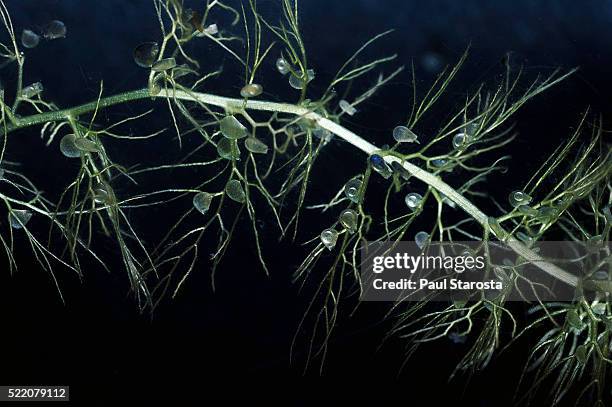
x,y
495,227
525,238
329,237
574,320
547,213
231,128
296,82
145,54
421,239
181,71
399,168
156,84
32,90
251,90
380,166
527,210
448,201
413,200
457,338
351,190
594,243
201,202
103,194
601,275
403,134
299,82
347,108
323,134
459,140
228,149
86,145
348,219
68,146
54,30
29,39
163,65
235,192
18,218
599,308
518,198
439,162
255,146
471,129
282,66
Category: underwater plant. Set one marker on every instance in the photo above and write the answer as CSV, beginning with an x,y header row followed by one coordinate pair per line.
x,y
255,157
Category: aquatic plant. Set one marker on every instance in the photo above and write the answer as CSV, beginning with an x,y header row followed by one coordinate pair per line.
x,y
256,156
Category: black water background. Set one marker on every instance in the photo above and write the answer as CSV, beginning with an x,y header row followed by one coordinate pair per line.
x,y
102,347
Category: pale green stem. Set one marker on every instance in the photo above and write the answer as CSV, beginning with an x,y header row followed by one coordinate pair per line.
x,y
233,104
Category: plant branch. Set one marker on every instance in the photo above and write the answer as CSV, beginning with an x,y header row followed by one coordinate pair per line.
x,y
233,104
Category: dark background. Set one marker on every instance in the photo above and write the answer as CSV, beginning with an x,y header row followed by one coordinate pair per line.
x,y
239,336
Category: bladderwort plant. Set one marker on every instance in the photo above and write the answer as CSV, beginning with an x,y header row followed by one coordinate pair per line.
x,y
255,156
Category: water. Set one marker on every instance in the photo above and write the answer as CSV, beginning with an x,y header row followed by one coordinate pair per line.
x,y
243,329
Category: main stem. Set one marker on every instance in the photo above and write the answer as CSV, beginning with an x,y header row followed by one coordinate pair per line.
x,y
232,104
